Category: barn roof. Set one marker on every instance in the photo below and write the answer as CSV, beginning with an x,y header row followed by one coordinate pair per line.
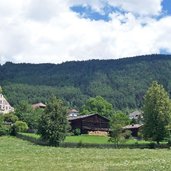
x,y
38,105
133,126
85,116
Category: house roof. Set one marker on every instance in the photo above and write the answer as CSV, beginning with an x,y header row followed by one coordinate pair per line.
x,y
84,116
72,111
135,114
38,105
133,126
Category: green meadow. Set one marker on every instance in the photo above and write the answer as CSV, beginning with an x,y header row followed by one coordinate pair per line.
x,y
19,155
93,139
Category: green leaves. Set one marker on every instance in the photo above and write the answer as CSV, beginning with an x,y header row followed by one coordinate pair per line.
x,y
97,105
53,124
157,112
118,121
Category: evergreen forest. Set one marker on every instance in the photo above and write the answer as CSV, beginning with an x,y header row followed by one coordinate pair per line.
x,y
122,82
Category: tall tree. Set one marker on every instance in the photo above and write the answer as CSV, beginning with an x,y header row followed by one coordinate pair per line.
x,y
53,123
97,105
157,113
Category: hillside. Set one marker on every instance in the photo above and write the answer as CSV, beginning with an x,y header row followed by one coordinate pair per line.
x,y
122,82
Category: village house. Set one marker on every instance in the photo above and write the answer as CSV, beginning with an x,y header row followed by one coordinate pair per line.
x,y
38,106
134,128
5,107
72,113
137,115
89,123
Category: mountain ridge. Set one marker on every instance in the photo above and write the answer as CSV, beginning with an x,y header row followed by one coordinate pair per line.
x,y
122,82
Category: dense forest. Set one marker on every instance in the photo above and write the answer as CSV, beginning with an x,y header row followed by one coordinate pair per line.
x,y
122,82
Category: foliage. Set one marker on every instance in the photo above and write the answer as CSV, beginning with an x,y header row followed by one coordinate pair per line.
x,y
21,126
97,105
4,130
10,118
118,121
77,131
157,112
26,114
53,123
121,82
127,134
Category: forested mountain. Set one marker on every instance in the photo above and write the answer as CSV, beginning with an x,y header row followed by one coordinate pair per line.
x,y
122,82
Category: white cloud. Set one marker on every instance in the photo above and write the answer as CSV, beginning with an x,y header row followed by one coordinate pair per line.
x,y
145,7
139,7
48,31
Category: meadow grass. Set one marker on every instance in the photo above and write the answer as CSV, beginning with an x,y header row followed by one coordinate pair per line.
x,y
93,139
19,155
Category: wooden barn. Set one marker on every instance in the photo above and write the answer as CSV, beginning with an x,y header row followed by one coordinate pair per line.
x,y
92,122
134,128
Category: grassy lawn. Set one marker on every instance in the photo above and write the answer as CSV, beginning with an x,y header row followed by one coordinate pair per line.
x,y
19,155
83,138
90,139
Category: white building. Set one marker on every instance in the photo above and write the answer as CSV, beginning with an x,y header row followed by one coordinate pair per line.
x,y
5,107
73,113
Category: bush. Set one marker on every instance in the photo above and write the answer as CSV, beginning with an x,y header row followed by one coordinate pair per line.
x,y
152,145
127,134
10,118
77,131
80,144
4,130
20,126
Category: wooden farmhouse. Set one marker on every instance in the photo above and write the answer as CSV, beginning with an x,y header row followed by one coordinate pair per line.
x,y
92,122
134,128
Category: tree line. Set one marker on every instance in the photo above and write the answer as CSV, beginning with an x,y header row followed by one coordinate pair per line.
x,y
53,126
121,82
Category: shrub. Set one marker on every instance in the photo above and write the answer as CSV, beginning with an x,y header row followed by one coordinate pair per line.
x,y
4,130
77,131
20,126
127,134
10,118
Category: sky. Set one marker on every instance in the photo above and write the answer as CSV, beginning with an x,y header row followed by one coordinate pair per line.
x,y
55,31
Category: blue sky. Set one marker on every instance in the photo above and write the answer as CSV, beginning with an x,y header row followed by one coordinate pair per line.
x,y
167,6
50,31
88,12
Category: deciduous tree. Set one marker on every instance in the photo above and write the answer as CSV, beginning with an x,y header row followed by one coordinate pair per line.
x,y
118,121
157,113
53,123
98,105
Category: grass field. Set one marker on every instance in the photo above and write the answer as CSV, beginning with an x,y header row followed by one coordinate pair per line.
x,y
90,139
19,155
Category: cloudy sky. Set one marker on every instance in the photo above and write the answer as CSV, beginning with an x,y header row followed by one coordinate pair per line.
x,y
54,31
